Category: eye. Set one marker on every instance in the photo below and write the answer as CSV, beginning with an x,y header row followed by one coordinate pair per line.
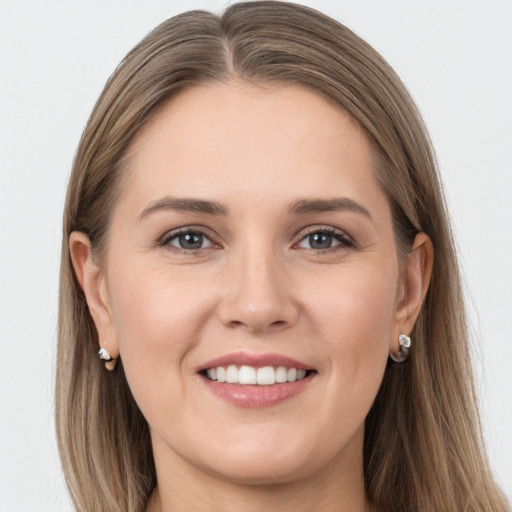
x,y
326,238
187,240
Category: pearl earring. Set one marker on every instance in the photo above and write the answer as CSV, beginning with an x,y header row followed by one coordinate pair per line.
x,y
405,344
110,362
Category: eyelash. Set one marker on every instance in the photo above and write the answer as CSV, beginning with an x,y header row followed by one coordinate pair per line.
x,y
165,240
345,242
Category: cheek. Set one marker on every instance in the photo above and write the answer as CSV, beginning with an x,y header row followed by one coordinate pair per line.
x,y
157,320
356,305
155,304
355,318
149,312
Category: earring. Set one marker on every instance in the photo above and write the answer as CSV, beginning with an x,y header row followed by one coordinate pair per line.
x,y
110,362
405,344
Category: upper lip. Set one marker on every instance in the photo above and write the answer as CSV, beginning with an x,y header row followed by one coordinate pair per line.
x,y
255,360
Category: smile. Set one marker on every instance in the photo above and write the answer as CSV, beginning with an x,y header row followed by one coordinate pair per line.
x,y
250,375
256,380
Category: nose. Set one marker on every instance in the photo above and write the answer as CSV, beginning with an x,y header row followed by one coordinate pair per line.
x,y
258,295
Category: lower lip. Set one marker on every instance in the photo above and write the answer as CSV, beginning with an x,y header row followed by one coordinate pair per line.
x,y
254,396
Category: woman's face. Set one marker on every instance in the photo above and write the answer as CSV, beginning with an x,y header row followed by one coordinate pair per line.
x,y
252,243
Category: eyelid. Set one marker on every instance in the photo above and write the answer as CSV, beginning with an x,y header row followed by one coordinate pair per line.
x,y
163,240
341,235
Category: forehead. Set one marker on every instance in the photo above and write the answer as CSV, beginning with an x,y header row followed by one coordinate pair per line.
x,y
242,140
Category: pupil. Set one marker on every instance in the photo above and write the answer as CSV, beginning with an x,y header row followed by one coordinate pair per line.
x,y
320,240
191,241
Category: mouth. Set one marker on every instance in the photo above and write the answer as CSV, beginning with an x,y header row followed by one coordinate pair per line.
x,y
255,376
256,381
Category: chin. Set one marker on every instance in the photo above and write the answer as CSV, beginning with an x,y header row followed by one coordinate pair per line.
x,y
270,458
262,470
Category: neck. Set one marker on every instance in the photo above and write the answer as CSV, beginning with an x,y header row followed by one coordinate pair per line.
x,y
279,498
338,487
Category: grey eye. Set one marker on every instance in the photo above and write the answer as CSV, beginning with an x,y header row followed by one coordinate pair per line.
x,y
320,240
190,241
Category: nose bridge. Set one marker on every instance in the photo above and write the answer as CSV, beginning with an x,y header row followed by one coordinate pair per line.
x,y
259,293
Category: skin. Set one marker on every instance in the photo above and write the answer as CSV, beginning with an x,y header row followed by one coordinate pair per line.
x,y
257,285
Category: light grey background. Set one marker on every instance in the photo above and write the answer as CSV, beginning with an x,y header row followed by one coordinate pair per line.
x,y
455,57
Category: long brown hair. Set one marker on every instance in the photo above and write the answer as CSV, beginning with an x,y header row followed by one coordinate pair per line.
x,y
423,449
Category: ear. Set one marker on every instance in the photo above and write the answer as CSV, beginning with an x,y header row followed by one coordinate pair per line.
x,y
92,281
413,287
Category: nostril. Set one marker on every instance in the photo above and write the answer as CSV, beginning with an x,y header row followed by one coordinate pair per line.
x,y
257,313
255,326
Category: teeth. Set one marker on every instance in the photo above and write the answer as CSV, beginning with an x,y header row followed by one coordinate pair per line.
x,y
247,375
221,374
232,374
281,375
266,376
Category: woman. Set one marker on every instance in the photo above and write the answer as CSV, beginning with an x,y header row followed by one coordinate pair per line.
x,y
249,233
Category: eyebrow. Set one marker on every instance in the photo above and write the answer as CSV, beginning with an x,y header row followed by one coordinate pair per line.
x,y
304,206
184,204
300,207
